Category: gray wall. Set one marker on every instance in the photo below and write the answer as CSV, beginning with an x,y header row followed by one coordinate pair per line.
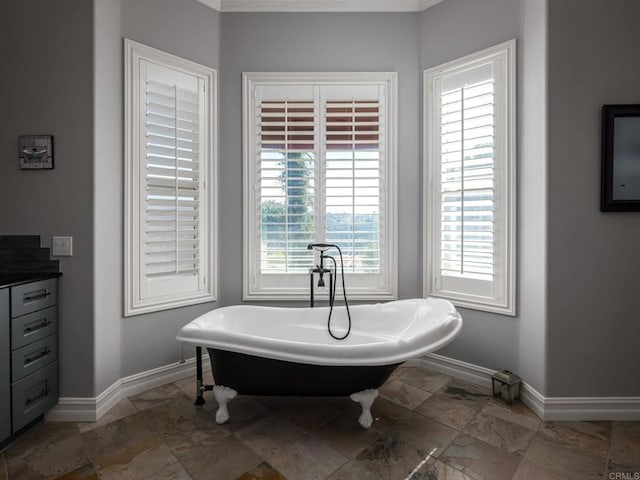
x,y
47,88
532,195
451,30
324,42
594,259
190,30
108,193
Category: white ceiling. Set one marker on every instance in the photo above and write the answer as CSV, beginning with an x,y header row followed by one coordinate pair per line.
x,y
320,5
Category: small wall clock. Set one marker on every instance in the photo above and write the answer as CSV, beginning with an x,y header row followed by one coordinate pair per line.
x,y
35,152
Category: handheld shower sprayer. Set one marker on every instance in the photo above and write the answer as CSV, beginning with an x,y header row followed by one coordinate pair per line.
x,y
321,270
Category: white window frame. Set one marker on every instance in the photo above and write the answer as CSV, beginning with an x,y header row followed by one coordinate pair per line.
x,y
502,299
134,301
252,285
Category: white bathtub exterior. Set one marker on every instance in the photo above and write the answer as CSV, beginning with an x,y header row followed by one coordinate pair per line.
x,y
381,334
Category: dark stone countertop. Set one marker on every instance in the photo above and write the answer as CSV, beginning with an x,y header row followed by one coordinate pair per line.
x,y
13,279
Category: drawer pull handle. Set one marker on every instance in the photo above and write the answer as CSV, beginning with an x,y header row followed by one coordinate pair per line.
x,y
43,353
43,393
39,295
44,324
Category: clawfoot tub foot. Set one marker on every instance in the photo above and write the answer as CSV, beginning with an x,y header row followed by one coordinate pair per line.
x,y
365,398
223,396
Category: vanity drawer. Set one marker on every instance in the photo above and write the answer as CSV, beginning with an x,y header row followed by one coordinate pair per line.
x,y
33,296
33,326
34,395
31,357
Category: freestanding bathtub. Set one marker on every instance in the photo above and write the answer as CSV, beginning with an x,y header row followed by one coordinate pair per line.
x,y
258,350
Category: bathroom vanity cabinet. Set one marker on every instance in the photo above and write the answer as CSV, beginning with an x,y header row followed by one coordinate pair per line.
x,y
28,350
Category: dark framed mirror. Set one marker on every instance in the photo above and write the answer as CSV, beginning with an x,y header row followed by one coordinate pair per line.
x,y
620,191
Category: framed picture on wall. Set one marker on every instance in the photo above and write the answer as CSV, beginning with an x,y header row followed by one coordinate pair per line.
x,y
620,191
35,152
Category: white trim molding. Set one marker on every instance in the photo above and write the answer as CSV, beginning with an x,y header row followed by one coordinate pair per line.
x,y
215,4
485,279
547,408
148,288
91,409
320,5
318,89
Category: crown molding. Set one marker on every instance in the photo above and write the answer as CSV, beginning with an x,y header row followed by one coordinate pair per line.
x,y
424,4
320,5
215,4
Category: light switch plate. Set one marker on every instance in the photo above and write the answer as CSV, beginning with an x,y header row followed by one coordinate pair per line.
x,y
62,246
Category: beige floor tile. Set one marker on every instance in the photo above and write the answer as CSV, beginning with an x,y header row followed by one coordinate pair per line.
x,y
122,409
446,411
402,394
565,460
48,450
470,395
189,431
439,471
309,413
400,372
353,470
173,471
156,396
621,471
425,380
120,442
291,450
223,459
386,413
245,410
345,435
153,463
590,436
264,471
479,459
531,471
625,446
517,413
387,458
86,472
161,434
39,434
424,434
500,433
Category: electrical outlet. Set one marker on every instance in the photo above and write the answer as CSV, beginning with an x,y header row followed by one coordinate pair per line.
x,y
62,246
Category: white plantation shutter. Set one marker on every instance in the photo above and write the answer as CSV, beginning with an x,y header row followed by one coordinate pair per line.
x,y
318,157
287,172
171,242
169,201
466,181
471,176
354,170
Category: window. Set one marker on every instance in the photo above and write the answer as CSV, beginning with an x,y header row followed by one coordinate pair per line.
x,y
169,192
470,179
319,159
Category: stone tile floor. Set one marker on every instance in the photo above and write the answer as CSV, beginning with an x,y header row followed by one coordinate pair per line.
x,y
427,426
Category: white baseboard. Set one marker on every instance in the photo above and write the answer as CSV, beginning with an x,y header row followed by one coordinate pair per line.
x,y
592,408
457,369
91,409
547,408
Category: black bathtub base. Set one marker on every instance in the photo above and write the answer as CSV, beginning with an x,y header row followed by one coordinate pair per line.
x,y
236,373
